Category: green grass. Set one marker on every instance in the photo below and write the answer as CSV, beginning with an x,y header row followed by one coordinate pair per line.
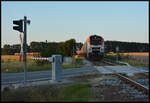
x,y
80,92
65,66
15,67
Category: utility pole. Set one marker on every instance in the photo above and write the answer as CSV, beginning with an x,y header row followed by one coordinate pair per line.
x,y
25,48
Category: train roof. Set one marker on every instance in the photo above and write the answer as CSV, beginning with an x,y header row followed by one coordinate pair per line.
x,y
96,35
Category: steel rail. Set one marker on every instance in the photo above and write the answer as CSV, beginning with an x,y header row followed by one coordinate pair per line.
x,y
130,81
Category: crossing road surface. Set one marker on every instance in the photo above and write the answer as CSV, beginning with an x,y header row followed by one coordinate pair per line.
x,y
46,75
43,75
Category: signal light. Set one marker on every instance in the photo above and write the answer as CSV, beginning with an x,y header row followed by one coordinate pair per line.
x,y
20,25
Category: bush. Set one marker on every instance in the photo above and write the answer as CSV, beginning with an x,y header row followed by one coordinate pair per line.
x,y
78,61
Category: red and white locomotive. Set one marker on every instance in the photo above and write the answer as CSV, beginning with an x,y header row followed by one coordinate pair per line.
x,y
93,48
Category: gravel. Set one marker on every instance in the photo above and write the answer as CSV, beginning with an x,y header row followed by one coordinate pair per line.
x,y
144,82
114,89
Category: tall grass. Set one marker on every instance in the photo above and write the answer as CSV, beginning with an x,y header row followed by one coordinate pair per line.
x,y
131,59
15,66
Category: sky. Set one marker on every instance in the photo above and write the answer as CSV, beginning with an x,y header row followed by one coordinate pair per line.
x,y
61,21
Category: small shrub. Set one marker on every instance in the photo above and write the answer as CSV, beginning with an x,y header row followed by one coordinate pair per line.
x,y
78,61
41,62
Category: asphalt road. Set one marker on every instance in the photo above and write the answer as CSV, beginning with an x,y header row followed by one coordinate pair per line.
x,y
7,78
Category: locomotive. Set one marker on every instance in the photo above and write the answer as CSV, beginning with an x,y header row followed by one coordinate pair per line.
x,y
93,48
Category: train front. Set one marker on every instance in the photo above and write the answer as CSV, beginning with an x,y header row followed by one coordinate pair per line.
x,y
95,49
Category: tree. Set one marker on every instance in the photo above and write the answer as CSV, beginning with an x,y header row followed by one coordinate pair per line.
x,y
7,50
68,47
51,48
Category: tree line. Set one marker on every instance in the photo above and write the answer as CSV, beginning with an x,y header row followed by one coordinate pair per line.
x,y
110,46
46,49
66,48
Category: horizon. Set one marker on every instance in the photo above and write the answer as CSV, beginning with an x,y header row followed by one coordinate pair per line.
x,y
76,42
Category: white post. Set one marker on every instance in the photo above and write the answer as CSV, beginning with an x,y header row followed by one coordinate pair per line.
x,y
56,68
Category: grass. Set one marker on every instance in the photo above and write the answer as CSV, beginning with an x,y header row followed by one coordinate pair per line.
x,y
15,66
80,92
71,66
90,76
126,59
135,63
112,57
78,63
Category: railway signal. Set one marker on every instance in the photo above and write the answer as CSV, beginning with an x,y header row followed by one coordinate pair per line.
x,y
19,26
20,29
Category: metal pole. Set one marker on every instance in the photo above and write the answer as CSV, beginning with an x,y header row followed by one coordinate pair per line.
x,y
117,51
117,57
25,49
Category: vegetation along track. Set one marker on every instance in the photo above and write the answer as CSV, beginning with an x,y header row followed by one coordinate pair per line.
x,y
101,63
133,83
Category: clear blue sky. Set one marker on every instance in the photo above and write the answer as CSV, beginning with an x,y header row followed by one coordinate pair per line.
x,y
60,21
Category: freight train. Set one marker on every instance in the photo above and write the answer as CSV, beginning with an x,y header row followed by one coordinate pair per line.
x,y
93,48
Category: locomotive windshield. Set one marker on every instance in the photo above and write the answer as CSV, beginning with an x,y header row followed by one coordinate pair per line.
x,y
95,40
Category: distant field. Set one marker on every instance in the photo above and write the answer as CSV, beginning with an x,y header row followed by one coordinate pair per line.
x,y
138,54
12,58
133,53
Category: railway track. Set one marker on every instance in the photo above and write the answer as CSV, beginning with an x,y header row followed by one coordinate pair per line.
x,y
133,83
